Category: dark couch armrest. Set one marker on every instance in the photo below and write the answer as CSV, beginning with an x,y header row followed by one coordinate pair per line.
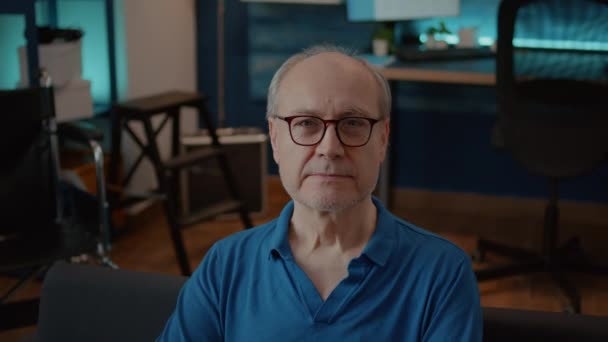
x,y
526,325
92,303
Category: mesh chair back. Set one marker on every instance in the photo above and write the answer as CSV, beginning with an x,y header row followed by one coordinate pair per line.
x,y
570,36
552,82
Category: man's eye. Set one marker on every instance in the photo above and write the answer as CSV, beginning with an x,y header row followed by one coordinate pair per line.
x,y
307,123
354,123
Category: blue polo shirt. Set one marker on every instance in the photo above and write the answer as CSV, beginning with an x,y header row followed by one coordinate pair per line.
x,y
407,285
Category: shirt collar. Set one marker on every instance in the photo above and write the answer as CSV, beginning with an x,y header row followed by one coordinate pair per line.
x,y
378,248
380,245
278,241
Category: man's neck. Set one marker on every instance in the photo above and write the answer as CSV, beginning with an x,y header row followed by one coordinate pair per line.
x,y
345,232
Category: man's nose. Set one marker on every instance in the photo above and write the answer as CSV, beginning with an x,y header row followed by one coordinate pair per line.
x,y
330,146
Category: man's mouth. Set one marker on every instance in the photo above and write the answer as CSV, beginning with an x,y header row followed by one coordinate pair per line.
x,y
329,175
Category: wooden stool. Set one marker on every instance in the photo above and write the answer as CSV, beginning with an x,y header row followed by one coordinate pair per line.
x,y
167,172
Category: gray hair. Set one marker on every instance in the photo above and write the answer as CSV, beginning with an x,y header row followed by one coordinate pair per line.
x,y
384,99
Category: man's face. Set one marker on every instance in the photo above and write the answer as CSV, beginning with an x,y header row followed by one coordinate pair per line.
x,y
328,176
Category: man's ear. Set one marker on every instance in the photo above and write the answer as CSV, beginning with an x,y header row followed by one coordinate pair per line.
x,y
272,132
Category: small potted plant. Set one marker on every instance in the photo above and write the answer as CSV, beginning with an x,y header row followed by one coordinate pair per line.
x,y
433,34
382,39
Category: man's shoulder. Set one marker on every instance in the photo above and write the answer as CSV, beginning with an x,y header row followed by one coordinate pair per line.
x,y
237,255
427,242
246,239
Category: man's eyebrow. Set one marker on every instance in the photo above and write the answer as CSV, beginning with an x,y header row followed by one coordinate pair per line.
x,y
354,111
305,111
350,111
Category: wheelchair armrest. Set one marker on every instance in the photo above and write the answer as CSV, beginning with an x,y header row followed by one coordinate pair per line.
x,y
81,132
88,135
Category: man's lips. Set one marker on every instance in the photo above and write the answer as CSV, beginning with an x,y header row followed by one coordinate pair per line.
x,y
329,175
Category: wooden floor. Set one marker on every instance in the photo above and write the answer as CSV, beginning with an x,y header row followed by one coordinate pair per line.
x,y
146,247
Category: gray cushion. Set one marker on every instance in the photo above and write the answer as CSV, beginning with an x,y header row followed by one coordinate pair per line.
x,y
90,303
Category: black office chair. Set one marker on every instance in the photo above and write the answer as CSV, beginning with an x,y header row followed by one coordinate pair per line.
x,y
42,219
553,118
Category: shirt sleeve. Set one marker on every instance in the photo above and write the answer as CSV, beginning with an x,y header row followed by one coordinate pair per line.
x,y
197,314
456,311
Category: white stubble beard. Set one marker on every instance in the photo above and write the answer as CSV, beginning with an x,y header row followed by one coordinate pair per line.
x,y
324,203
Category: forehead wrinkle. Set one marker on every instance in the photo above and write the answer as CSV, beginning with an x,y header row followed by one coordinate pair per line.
x,y
355,111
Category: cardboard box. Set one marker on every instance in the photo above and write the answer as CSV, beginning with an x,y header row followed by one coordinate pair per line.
x,y
73,100
62,60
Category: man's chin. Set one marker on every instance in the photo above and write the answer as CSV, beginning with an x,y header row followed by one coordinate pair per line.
x,y
329,202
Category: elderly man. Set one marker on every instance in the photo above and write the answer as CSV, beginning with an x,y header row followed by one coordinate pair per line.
x,y
335,265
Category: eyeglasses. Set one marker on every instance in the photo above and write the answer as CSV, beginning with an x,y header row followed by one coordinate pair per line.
x,y
309,130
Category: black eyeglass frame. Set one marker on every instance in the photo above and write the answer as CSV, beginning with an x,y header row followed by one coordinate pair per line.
x,y
336,122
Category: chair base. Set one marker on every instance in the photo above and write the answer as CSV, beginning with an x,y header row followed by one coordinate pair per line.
x,y
569,257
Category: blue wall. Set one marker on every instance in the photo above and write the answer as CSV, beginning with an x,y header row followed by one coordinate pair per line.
x,y
87,15
441,133
11,37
